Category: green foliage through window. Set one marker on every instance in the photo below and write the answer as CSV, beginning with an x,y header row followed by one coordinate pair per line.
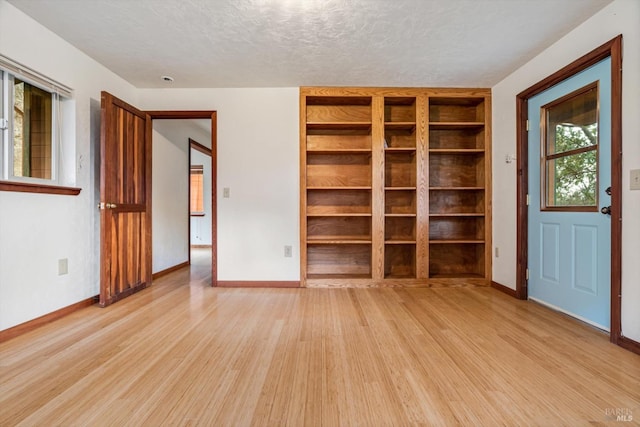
x,y
574,176
571,150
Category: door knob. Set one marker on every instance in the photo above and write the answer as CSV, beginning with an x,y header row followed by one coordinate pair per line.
x,y
606,210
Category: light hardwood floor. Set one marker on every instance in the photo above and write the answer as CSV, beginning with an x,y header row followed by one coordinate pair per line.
x,y
182,353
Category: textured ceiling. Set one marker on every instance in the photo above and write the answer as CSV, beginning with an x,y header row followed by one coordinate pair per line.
x,y
269,43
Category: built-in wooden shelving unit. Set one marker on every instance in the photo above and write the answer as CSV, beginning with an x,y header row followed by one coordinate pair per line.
x,y
395,186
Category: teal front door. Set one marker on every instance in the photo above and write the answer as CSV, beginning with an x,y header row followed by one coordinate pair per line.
x,y
569,177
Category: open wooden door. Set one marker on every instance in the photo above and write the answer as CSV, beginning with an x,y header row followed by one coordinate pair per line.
x,y
125,200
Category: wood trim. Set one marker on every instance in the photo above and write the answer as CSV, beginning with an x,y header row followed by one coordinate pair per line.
x,y
378,159
170,269
29,326
393,91
214,198
189,214
624,342
199,147
201,246
258,284
422,191
616,188
303,187
505,289
179,115
613,49
26,187
488,187
148,255
213,115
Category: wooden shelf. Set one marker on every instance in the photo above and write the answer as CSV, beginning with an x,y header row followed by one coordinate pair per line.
x,y
456,188
456,137
337,214
454,215
408,126
338,141
395,185
410,150
338,276
456,170
451,242
343,187
340,151
400,169
339,259
457,276
454,125
458,260
400,260
338,229
338,201
400,201
399,188
456,151
400,228
457,202
461,229
338,125
337,242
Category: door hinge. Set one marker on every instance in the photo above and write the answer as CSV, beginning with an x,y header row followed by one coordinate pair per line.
x,y
4,124
527,125
526,274
527,200
101,205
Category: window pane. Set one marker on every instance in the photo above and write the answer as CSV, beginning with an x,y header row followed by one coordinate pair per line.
x,y
571,149
197,189
572,180
573,123
32,147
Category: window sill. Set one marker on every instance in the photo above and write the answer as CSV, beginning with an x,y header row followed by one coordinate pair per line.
x,y
24,187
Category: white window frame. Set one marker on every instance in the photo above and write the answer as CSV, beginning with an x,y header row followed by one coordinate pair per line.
x,y
9,70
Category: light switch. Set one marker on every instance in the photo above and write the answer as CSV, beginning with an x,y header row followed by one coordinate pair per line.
x,y
225,192
635,179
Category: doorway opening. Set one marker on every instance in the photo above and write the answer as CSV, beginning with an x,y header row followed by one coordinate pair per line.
x,y
206,226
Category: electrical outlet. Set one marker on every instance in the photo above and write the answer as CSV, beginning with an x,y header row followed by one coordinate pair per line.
x,y
63,266
288,251
635,179
225,192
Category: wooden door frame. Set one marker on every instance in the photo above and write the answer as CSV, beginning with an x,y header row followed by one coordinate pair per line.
x,y
613,49
213,116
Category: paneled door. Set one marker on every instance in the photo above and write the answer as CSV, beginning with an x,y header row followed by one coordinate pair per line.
x,y
569,195
125,200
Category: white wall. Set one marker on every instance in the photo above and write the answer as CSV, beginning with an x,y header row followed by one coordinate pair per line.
x,y
36,230
169,199
621,17
201,225
258,161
